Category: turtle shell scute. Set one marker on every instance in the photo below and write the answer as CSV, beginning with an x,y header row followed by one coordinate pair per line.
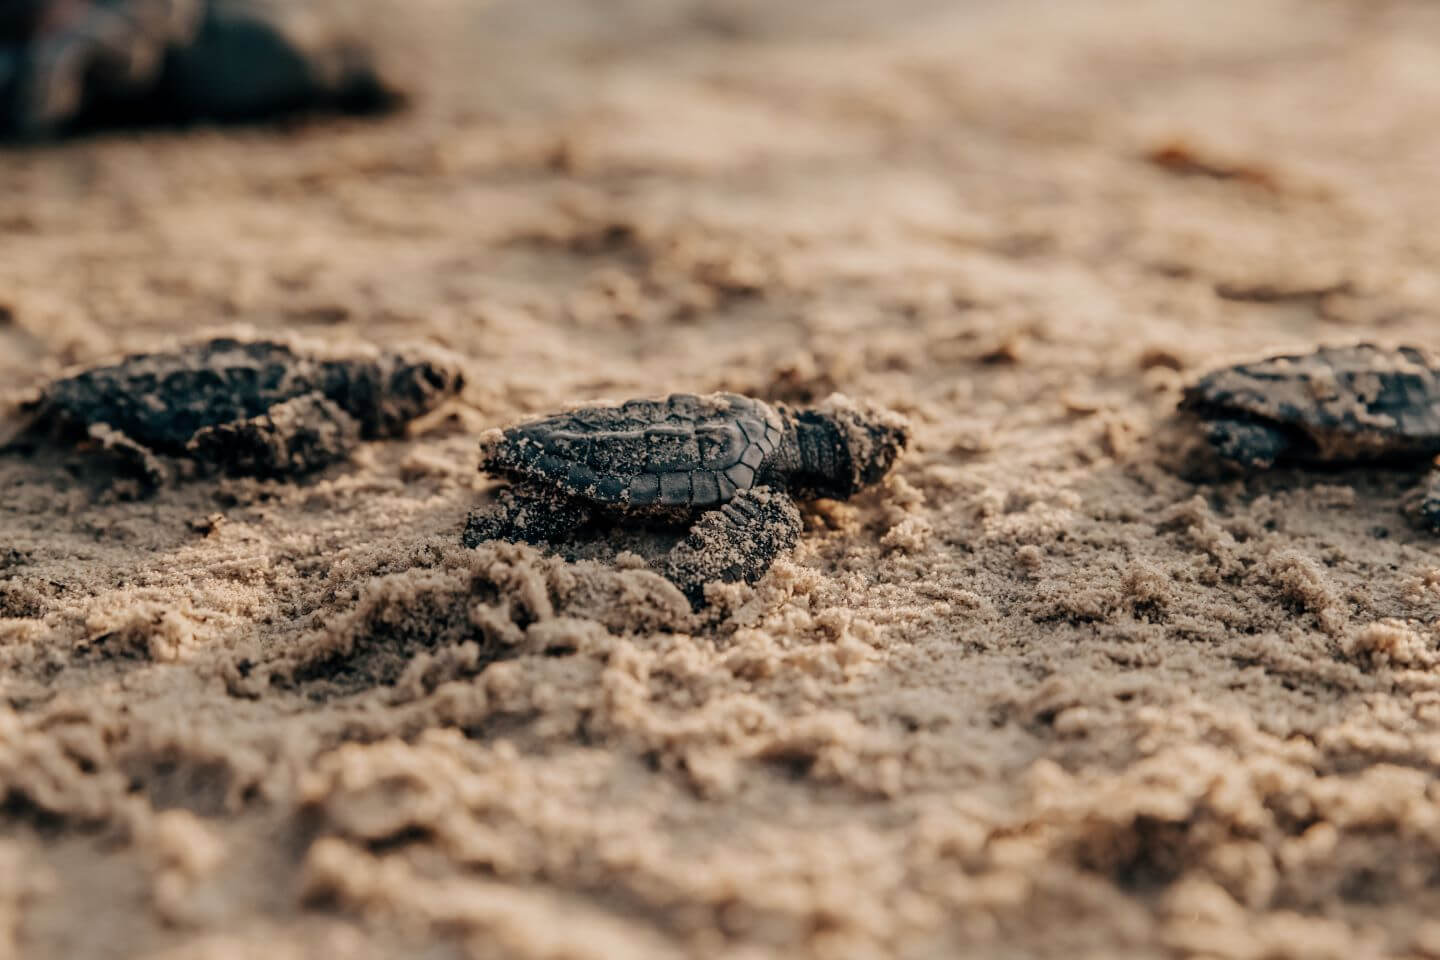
x,y
680,451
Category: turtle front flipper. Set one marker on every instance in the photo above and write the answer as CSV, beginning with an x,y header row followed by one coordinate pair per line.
x,y
737,542
295,437
1246,443
525,515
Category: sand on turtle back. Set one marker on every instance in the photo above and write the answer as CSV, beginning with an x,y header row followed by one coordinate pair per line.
x,y
680,451
162,399
262,408
1350,403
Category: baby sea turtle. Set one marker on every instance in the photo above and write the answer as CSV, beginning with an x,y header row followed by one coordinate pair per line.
x,y
65,63
245,407
724,465
1338,405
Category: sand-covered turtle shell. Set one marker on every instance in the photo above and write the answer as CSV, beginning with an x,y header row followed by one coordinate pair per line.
x,y
162,399
1349,403
680,451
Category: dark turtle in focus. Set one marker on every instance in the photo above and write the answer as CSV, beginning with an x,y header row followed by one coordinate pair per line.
x,y
79,63
724,465
1338,405
257,408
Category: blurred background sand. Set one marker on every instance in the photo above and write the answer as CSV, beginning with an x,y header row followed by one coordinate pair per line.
x,y
1040,695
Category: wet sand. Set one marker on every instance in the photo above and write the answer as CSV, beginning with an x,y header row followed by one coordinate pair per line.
x,y
1050,691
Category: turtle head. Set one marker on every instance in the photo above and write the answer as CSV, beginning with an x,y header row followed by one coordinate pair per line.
x,y
864,441
423,379
387,393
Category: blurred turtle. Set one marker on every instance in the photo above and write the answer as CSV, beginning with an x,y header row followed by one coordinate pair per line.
x,y
67,64
723,465
1337,405
254,408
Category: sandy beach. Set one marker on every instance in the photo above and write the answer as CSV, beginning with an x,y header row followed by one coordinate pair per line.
x,y
1052,690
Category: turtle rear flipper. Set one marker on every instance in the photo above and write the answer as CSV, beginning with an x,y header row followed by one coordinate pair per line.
x,y
737,542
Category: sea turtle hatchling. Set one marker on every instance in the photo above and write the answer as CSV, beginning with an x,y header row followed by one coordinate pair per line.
x,y
255,408
1338,405
75,62
724,465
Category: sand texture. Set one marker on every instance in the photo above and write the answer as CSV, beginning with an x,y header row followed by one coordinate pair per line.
x,y
1053,689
